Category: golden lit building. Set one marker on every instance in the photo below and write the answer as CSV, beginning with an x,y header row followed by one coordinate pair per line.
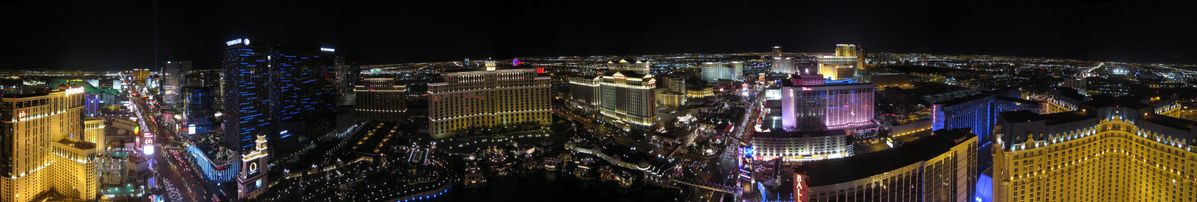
x,y
700,92
140,75
43,145
1170,108
848,58
672,93
584,92
93,132
670,99
73,173
488,99
380,99
628,97
638,66
941,167
1110,150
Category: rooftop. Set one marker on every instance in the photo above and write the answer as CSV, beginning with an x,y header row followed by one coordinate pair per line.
x,y
856,167
1066,117
783,134
24,91
78,144
1016,100
1020,116
960,100
1168,121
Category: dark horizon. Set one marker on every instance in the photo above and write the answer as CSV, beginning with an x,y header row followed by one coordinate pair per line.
x,y
116,35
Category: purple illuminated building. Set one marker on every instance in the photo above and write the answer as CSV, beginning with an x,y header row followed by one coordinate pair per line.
x,y
809,103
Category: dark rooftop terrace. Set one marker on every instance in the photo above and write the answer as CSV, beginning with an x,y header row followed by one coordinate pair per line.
x,y
856,167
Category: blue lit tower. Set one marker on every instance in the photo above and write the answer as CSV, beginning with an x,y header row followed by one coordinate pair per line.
x,y
303,96
276,92
246,93
198,109
299,87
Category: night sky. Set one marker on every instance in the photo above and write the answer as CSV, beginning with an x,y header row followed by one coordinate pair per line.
x,y
106,35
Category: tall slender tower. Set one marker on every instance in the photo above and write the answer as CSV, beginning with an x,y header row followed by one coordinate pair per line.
x,y
246,90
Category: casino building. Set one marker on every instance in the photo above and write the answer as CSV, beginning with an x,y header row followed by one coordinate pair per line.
x,y
488,99
45,147
941,167
715,71
809,102
584,92
848,58
979,113
817,118
380,99
1110,149
624,95
628,97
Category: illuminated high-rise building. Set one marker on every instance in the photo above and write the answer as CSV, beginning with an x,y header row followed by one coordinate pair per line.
x,y
673,92
140,76
213,156
380,99
487,99
977,112
280,93
628,97
941,167
44,146
247,85
206,78
172,82
74,171
584,92
810,118
93,132
715,71
199,109
345,80
1110,149
624,65
781,63
848,58
801,146
269,90
299,89
808,103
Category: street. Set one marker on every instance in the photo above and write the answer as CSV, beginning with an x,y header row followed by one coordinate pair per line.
x,y
174,175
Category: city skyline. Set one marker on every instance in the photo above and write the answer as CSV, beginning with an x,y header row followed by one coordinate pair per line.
x,y
807,101
106,36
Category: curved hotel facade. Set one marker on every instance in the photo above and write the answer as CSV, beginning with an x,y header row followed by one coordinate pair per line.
x,y
1108,150
490,98
942,167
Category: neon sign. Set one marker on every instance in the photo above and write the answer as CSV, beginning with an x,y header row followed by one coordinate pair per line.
x,y
72,91
237,41
327,49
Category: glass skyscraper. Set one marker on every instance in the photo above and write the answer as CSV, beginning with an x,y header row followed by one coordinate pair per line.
x,y
246,90
265,86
